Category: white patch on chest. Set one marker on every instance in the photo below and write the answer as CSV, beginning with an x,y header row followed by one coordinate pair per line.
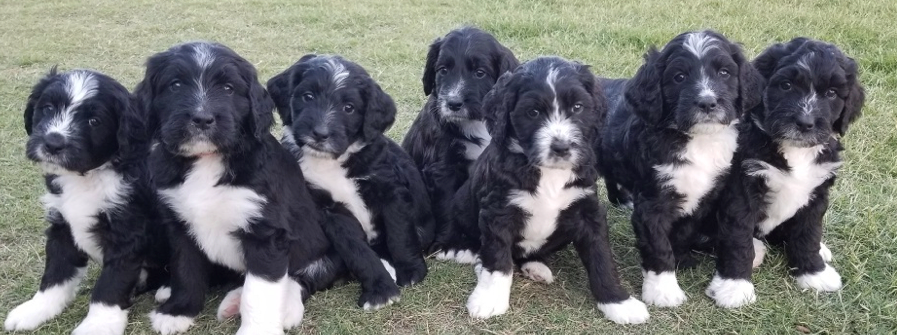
x,y
476,129
706,156
214,212
789,191
543,206
326,173
83,197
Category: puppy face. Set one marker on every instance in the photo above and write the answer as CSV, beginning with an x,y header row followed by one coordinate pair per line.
x,y
813,92
547,109
72,120
328,103
698,82
204,99
461,68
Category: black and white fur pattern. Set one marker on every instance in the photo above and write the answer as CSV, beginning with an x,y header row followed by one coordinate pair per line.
x,y
788,155
334,117
84,134
533,190
450,132
234,199
669,143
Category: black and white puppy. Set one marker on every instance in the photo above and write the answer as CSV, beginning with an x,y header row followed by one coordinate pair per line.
x,y
788,155
85,135
450,133
233,198
669,143
532,192
334,117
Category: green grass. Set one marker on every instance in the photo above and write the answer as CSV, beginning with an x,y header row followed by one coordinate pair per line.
x,y
389,38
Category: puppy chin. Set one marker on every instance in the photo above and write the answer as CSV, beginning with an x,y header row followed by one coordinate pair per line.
x,y
319,152
711,127
451,116
197,148
559,163
54,168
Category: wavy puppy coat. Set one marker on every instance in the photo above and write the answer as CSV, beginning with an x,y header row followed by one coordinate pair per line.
x,y
450,133
85,135
234,198
669,142
533,189
334,116
788,154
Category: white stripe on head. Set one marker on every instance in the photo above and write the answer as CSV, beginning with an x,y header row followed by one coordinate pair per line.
x,y
804,62
204,57
338,72
699,44
80,86
704,86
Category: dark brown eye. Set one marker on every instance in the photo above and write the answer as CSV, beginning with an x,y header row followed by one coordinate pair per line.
x,y
679,77
229,89
831,93
49,108
480,73
442,70
533,113
348,108
785,86
175,85
93,122
577,108
724,73
307,96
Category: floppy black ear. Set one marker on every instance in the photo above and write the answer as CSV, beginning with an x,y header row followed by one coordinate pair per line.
x,y
750,82
380,112
505,60
643,92
855,98
599,100
430,67
36,92
260,103
280,91
497,104
768,60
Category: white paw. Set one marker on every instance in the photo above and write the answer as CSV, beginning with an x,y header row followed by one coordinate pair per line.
x,y
230,305
459,256
759,253
169,324
389,268
293,308
103,320
825,252
253,330
731,293
162,294
662,289
827,280
373,307
42,307
537,271
629,311
492,295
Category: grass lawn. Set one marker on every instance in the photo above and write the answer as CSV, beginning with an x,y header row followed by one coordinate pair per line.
x,y
390,38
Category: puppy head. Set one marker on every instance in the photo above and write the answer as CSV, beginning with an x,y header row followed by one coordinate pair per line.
x,y
72,120
328,103
699,82
547,109
202,98
813,92
461,68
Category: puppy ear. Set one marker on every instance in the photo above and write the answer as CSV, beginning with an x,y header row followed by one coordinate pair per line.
x,y
380,112
260,103
280,90
36,92
429,78
855,98
767,62
643,92
750,82
599,100
504,60
497,104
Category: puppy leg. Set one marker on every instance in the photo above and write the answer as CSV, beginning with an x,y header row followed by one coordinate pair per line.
x,y
402,241
189,281
803,241
460,241
731,286
492,294
651,222
267,286
593,246
64,269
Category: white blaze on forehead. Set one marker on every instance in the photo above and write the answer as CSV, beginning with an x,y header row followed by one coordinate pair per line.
x,y
203,55
80,86
804,62
700,43
338,72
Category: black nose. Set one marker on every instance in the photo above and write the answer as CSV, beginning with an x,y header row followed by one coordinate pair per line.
x,y
54,143
706,103
454,105
320,133
805,123
202,121
560,148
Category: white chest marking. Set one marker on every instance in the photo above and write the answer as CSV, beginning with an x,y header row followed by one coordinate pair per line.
x,y
707,155
544,205
214,212
328,174
83,198
789,191
476,129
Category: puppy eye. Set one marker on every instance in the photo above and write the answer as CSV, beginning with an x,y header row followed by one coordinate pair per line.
x,y
577,108
679,77
480,73
533,113
442,70
348,108
93,122
229,89
724,73
785,86
49,108
307,96
831,93
175,85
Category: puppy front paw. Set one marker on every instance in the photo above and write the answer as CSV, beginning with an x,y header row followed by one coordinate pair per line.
x,y
381,295
662,289
458,256
230,305
32,313
827,280
492,295
411,274
167,324
731,293
537,271
629,311
103,320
